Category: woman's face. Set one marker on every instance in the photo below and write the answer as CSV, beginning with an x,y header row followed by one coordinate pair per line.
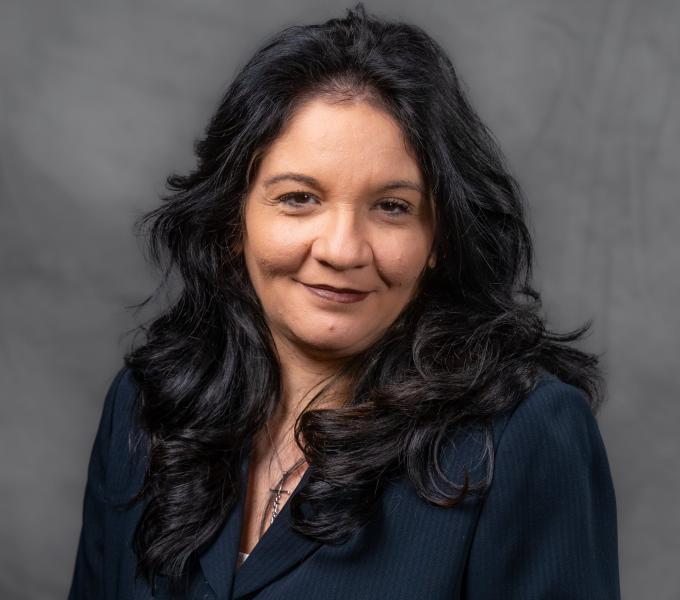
x,y
337,204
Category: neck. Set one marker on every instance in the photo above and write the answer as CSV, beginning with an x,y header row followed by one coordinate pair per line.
x,y
302,376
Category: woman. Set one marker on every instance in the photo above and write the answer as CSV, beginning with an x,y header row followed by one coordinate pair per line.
x,y
352,394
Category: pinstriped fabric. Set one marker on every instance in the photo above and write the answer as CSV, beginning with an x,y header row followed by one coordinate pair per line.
x,y
545,530
548,526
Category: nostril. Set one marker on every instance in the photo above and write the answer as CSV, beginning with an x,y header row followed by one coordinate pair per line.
x,y
342,254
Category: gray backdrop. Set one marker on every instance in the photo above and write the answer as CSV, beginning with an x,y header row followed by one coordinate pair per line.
x,y
100,101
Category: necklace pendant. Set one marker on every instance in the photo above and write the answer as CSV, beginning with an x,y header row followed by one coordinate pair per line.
x,y
276,492
277,500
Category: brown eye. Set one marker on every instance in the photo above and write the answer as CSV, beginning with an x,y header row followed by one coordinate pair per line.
x,y
296,199
395,207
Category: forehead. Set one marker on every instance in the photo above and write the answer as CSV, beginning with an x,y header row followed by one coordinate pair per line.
x,y
344,142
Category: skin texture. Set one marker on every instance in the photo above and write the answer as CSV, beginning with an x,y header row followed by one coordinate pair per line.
x,y
345,233
342,231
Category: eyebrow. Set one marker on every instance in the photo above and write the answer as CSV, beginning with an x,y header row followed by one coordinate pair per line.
x,y
312,182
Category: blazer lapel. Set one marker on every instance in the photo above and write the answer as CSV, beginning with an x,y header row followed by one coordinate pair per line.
x,y
279,550
219,559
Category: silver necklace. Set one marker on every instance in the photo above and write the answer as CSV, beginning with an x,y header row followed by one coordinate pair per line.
x,y
277,490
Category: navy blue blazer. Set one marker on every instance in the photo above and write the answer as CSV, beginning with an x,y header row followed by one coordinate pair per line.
x,y
546,529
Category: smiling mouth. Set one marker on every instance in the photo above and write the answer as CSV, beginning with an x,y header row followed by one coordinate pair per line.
x,y
334,289
342,295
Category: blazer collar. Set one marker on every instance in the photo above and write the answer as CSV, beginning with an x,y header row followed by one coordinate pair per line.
x,y
279,550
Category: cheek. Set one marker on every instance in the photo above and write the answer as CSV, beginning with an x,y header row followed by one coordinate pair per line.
x,y
400,259
273,251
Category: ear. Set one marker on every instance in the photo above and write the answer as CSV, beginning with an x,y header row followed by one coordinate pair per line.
x,y
432,260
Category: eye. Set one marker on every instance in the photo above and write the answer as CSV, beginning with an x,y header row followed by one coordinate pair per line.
x,y
295,199
395,207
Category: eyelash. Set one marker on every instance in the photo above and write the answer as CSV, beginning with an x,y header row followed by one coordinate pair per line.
x,y
405,208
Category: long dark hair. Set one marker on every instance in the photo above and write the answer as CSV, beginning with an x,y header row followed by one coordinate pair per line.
x,y
471,343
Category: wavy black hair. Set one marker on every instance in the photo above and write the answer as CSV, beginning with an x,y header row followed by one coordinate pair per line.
x,y
470,344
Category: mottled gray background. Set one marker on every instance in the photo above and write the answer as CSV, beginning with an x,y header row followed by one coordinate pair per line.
x,y
100,101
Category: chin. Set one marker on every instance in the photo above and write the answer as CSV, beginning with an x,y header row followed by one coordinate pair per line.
x,y
331,346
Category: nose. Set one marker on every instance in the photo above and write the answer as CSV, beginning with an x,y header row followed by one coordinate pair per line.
x,y
341,241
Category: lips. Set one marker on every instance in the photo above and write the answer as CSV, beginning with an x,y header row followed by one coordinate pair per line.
x,y
336,294
336,289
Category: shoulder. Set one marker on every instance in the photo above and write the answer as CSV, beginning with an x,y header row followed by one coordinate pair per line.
x,y
119,414
552,425
552,437
553,412
121,392
119,450
548,524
